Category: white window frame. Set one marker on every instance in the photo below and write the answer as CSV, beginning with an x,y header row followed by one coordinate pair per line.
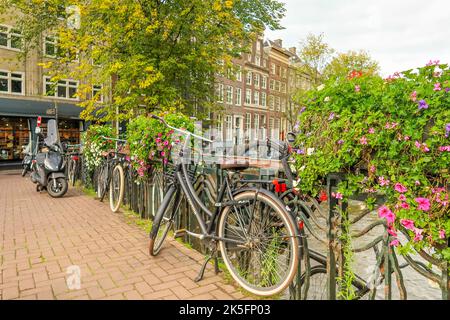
x,y
273,68
248,125
239,74
54,42
256,97
272,84
271,102
249,77
264,129
47,80
229,128
256,124
229,99
219,128
9,34
264,82
256,80
248,96
238,96
263,99
277,103
95,90
10,79
220,94
258,60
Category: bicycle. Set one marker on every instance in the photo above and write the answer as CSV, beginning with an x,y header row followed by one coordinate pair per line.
x,y
73,163
111,177
256,236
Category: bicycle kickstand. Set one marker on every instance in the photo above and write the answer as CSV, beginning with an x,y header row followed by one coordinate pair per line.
x,y
212,255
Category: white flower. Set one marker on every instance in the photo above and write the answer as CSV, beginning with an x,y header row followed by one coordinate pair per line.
x,y
321,87
327,99
310,151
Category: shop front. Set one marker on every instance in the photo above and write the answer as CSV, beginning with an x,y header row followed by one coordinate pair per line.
x,y
18,120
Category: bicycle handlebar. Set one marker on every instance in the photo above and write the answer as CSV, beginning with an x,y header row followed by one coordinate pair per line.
x,y
113,139
184,132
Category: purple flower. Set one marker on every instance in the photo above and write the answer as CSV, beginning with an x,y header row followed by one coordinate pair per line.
x,y
341,141
423,105
300,151
331,117
447,130
302,110
447,89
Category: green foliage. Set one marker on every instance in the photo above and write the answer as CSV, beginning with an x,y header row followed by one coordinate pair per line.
x,y
344,63
94,144
387,135
157,54
151,141
346,289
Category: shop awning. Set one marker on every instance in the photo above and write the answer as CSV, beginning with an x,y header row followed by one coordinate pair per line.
x,y
35,108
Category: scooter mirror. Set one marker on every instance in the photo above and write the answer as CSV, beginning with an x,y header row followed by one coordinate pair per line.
x,y
38,130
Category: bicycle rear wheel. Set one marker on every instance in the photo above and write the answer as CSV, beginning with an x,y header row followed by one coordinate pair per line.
x,y
71,171
116,188
164,220
102,181
265,262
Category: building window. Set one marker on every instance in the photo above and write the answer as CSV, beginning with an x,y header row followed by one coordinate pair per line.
x,y
277,103
10,38
256,123
256,80
283,105
238,96
229,127
263,126
263,99
258,60
273,68
229,94
272,85
97,93
284,73
271,128
50,46
277,86
249,78
248,125
239,73
276,134
256,98
220,92
271,102
283,87
248,96
12,82
64,89
258,46
264,82
219,127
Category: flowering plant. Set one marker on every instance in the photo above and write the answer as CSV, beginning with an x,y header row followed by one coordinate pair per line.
x,y
151,142
94,144
391,137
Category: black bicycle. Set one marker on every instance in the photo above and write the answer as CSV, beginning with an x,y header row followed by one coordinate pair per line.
x,y
73,163
257,237
111,177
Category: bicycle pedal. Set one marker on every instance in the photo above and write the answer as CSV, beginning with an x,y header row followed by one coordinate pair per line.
x,y
179,233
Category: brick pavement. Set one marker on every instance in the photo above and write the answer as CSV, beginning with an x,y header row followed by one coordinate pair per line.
x,y
41,237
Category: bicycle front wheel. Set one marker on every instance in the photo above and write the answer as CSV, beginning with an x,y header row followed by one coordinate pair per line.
x,y
71,171
164,220
262,248
116,188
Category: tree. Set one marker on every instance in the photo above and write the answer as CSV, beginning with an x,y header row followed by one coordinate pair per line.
x,y
162,54
344,63
314,55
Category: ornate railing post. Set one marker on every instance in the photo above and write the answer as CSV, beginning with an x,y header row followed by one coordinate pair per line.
x,y
334,252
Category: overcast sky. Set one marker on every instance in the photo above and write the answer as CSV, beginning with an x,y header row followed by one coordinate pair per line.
x,y
400,34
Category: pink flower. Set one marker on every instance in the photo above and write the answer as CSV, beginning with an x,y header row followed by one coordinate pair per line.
x,y
442,234
444,149
163,154
383,182
372,169
394,243
400,188
408,224
422,146
392,231
383,211
418,234
390,218
166,143
424,204
417,183
414,96
363,141
357,88
371,130
404,205
407,138
437,87
158,140
402,197
337,195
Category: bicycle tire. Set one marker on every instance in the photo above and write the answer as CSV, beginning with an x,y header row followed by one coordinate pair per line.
x,y
260,282
166,214
116,196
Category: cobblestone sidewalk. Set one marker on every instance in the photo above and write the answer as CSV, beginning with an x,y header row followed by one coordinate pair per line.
x,y
41,237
